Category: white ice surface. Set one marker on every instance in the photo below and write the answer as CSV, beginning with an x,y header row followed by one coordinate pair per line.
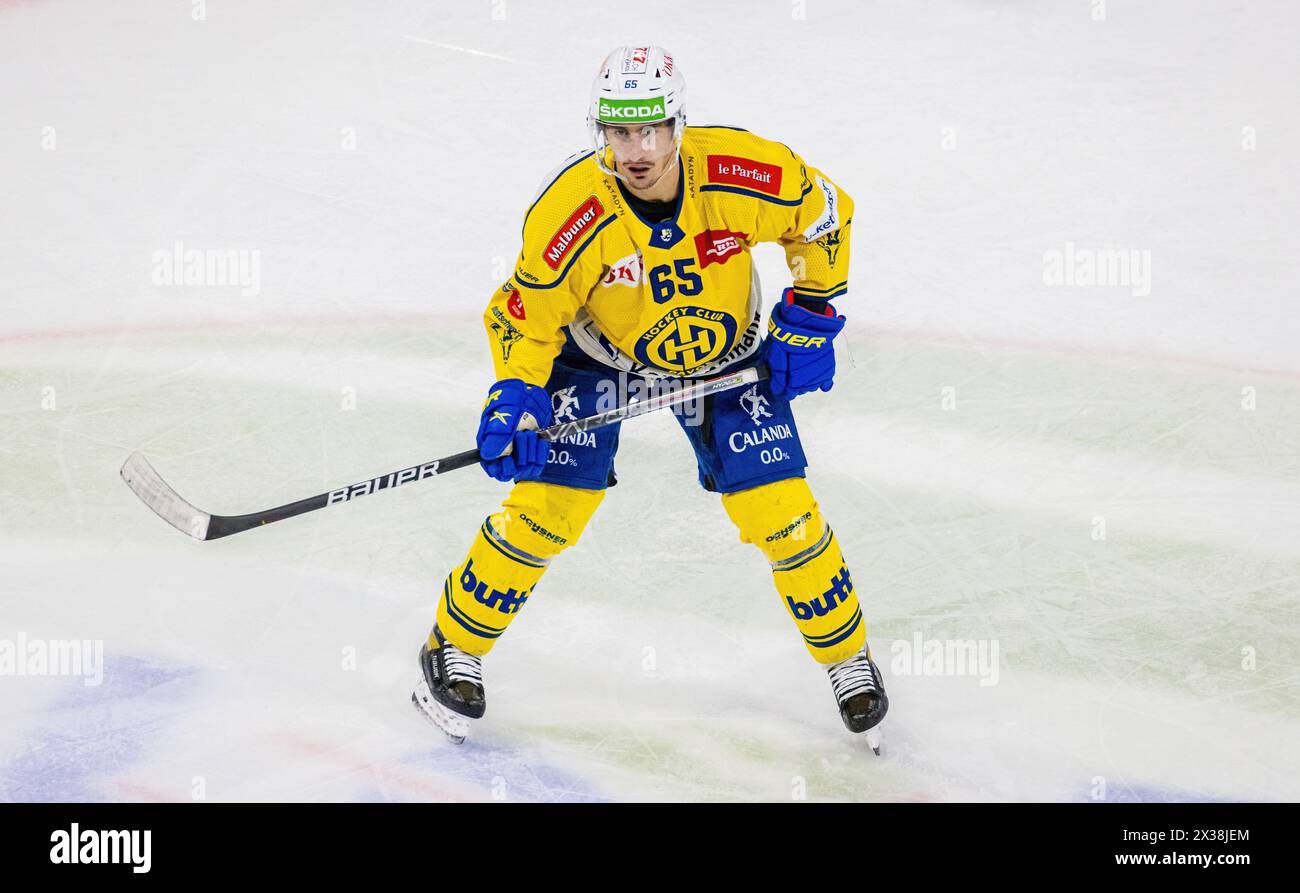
x,y
656,662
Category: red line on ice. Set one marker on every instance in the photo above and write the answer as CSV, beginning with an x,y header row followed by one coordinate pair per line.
x,y
376,769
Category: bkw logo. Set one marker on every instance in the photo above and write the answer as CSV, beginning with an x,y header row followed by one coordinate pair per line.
x,y
838,594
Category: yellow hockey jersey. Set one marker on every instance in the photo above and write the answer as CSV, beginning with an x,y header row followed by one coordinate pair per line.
x,y
678,298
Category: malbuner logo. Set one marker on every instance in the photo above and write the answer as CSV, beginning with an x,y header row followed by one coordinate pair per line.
x,y
617,111
567,235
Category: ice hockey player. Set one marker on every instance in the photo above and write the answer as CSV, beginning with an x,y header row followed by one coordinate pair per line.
x,y
636,264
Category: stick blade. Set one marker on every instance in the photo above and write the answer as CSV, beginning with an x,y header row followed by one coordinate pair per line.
x,y
166,502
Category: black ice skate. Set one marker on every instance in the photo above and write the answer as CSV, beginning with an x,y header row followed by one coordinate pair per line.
x,y
451,692
861,695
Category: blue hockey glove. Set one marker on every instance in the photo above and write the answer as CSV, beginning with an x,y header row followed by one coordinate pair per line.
x,y
510,404
798,347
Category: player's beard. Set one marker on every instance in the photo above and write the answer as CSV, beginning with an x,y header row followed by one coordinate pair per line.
x,y
667,165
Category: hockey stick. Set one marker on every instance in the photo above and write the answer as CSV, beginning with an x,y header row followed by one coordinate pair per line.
x,y
172,508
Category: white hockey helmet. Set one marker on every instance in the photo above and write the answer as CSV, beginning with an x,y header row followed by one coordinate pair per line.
x,y
636,85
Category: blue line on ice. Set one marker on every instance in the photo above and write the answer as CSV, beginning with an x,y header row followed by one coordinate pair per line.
x,y
93,733
481,764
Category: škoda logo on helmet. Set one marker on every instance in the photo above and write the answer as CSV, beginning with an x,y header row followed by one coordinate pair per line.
x,y
618,110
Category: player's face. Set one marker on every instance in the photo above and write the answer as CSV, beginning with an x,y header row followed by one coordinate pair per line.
x,y
643,152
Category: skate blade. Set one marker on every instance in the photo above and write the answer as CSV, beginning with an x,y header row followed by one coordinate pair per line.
x,y
873,739
449,722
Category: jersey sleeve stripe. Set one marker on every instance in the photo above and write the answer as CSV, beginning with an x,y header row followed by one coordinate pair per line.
x,y
800,293
821,291
791,202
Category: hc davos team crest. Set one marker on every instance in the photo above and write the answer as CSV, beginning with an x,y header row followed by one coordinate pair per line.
x,y
666,234
685,338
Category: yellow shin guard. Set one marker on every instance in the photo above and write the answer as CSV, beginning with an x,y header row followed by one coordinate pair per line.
x,y
783,520
482,595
